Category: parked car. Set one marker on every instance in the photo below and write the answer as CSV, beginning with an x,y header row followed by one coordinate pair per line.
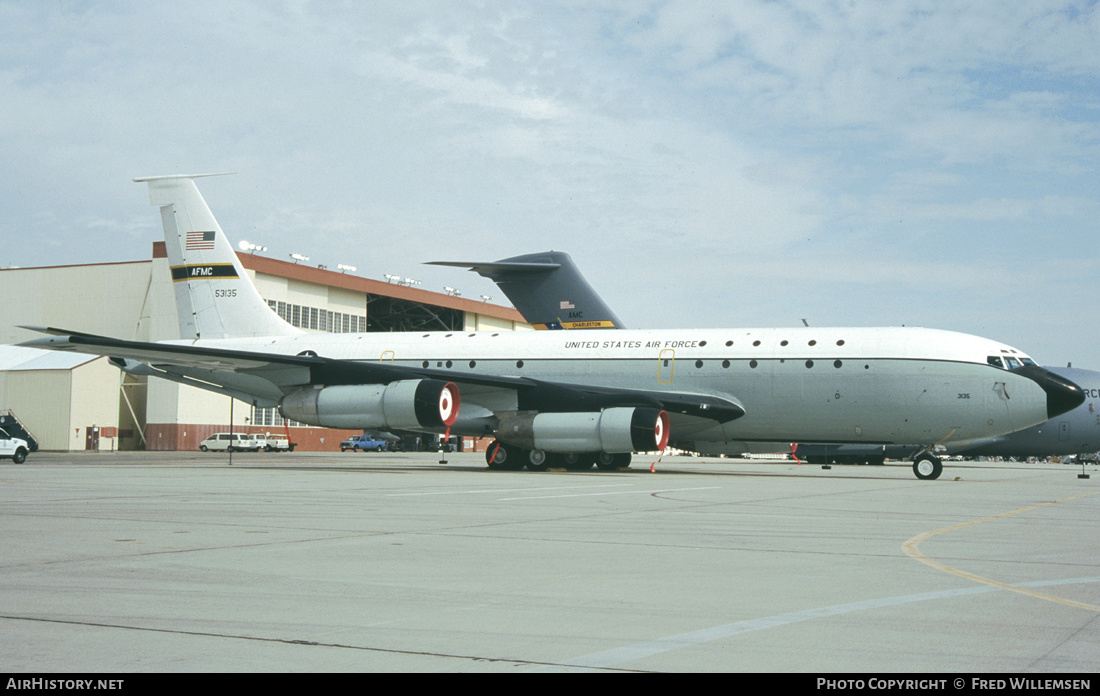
x,y
362,442
222,442
13,447
270,442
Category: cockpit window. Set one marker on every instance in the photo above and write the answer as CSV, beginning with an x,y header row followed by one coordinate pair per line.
x,y
1007,362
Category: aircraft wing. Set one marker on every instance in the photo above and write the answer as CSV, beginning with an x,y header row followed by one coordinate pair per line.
x,y
155,353
262,379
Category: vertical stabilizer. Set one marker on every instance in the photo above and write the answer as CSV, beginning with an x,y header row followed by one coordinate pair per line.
x,y
214,296
548,290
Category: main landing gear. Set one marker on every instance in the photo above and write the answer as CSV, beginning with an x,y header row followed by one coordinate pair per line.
x,y
927,466
502,457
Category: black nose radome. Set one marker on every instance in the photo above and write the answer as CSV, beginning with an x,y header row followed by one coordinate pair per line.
x,y
1062,394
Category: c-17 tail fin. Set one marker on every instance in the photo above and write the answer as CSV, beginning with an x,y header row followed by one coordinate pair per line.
x,y
214,296
547,289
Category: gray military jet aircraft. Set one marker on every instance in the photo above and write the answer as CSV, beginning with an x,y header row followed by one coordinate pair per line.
x,y
582,397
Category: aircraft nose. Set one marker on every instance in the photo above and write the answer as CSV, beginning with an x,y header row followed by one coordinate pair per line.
x,y
1062,394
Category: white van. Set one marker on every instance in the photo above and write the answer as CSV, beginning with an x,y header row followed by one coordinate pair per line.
x,y
222,442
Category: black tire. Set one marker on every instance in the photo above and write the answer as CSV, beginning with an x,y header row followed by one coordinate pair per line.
x,y
606,461
536,460
927,467
203,448
578,462
502,457
20,456
496,455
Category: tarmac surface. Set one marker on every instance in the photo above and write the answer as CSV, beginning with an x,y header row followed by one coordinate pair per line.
x,y
179,562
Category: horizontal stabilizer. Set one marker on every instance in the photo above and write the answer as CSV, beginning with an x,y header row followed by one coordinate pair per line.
x,y
492,269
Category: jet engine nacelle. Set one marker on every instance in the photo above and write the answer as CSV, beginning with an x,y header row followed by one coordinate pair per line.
x,y
414,404
613,430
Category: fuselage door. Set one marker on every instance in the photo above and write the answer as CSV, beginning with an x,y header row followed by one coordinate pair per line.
x,y
1063,431
387,357
665,364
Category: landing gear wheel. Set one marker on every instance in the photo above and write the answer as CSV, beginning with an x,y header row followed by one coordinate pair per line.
x,y
927,466
578,462
537,460
496,455
606,461
502,457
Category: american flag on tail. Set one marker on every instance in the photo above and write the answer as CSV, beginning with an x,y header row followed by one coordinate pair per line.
x,y
199,240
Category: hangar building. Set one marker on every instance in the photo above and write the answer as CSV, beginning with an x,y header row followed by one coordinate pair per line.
x,y
73,401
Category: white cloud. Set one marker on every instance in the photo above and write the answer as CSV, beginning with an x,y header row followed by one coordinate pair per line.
x,y
781,155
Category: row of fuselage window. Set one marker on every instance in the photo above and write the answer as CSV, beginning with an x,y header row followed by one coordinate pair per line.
x,y
702,344
664,362
319,319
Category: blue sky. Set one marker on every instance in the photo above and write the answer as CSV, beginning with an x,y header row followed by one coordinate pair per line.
x,y
706,164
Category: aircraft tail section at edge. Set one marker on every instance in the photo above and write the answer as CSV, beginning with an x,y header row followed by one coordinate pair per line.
x,y
548,290
214,296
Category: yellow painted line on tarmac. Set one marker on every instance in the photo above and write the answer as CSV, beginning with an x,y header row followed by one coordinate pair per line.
x,y
910,548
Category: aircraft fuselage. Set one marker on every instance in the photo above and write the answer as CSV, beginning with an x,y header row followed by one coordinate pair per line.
x,y
873,385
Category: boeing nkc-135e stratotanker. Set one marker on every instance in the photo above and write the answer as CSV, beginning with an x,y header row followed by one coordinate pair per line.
x,y
579,397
